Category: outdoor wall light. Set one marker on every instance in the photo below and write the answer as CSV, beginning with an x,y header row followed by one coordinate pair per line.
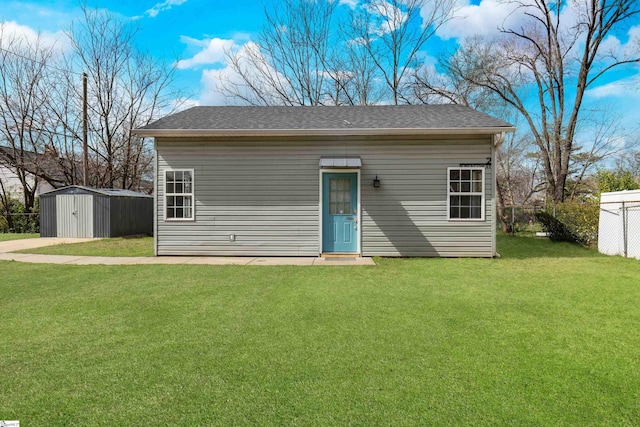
x,y
376,182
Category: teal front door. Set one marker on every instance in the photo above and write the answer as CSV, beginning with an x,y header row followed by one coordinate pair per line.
x,y
339,212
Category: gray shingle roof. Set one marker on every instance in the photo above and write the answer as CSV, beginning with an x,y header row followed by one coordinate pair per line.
x,y
335,119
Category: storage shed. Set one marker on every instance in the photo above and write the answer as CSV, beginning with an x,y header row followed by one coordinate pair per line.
x,y
619,228
79,211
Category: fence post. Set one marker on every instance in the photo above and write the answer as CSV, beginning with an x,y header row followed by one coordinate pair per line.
x,y
624,228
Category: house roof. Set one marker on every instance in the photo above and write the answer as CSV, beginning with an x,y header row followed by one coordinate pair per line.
x,y
46,165
326,120
111,192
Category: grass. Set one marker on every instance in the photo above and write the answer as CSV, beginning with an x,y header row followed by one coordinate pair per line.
x,y
546,335
15,236
524,246
133,246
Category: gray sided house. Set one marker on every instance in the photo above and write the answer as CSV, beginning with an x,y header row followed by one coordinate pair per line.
x,y
307,181
79,211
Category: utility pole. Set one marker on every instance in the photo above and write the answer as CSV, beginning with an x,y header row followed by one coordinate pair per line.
x,y
85,149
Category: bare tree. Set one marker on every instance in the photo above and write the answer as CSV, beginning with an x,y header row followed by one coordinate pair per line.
x,y
290,63
23,118
127,89
606,139
543,69
395,32
307,54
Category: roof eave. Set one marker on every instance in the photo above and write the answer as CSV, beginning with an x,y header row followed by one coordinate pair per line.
x,y
159,133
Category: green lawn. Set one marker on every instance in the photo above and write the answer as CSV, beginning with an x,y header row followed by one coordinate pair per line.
x,y
15,236
117,246
547,335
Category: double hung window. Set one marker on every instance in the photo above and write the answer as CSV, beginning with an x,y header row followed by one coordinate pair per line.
x,y
466,193
178,194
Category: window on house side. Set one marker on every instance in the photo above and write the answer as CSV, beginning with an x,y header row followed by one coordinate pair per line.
x,y
466,193
178,194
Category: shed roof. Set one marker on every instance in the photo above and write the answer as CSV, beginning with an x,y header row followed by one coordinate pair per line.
x,y
326,120
111,192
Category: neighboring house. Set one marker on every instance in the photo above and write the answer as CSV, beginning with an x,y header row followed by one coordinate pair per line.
x,y
11,183
49,164
306,181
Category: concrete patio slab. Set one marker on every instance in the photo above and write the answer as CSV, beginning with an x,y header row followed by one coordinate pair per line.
x,y
25,244
344,261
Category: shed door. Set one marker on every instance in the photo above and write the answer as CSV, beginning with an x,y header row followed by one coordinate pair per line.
x,y
339,212
75,215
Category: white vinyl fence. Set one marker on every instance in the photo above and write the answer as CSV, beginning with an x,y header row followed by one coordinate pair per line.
x,y
619,228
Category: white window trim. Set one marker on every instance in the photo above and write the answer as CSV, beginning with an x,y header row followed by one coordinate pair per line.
x,y
449,194
192,194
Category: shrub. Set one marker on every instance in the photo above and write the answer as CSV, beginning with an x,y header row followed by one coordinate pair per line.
x,y
16,219
617,180
573,222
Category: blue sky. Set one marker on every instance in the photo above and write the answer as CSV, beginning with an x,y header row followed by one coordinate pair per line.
x,y
196,33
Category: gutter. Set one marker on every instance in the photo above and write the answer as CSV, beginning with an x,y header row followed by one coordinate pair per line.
x,y
323,132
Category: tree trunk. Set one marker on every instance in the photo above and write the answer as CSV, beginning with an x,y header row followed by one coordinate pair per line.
x,y
505,221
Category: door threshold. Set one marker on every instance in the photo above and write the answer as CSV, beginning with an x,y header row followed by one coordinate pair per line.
x,y
340,255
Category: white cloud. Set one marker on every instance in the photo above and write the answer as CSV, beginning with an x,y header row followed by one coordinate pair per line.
x,y
612,46
390,17
194,42
247,56
479,19
618,88
216,56
11,30
486,17
351,3
180,104
165,5
213,52
210,81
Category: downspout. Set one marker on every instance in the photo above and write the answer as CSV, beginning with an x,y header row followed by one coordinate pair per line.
x,y
155,196
498,139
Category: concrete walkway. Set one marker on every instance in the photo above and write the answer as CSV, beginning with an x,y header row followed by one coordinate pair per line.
x,y
25,244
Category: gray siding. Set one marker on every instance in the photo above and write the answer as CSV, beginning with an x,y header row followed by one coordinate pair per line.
x,y
267,194
407,215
